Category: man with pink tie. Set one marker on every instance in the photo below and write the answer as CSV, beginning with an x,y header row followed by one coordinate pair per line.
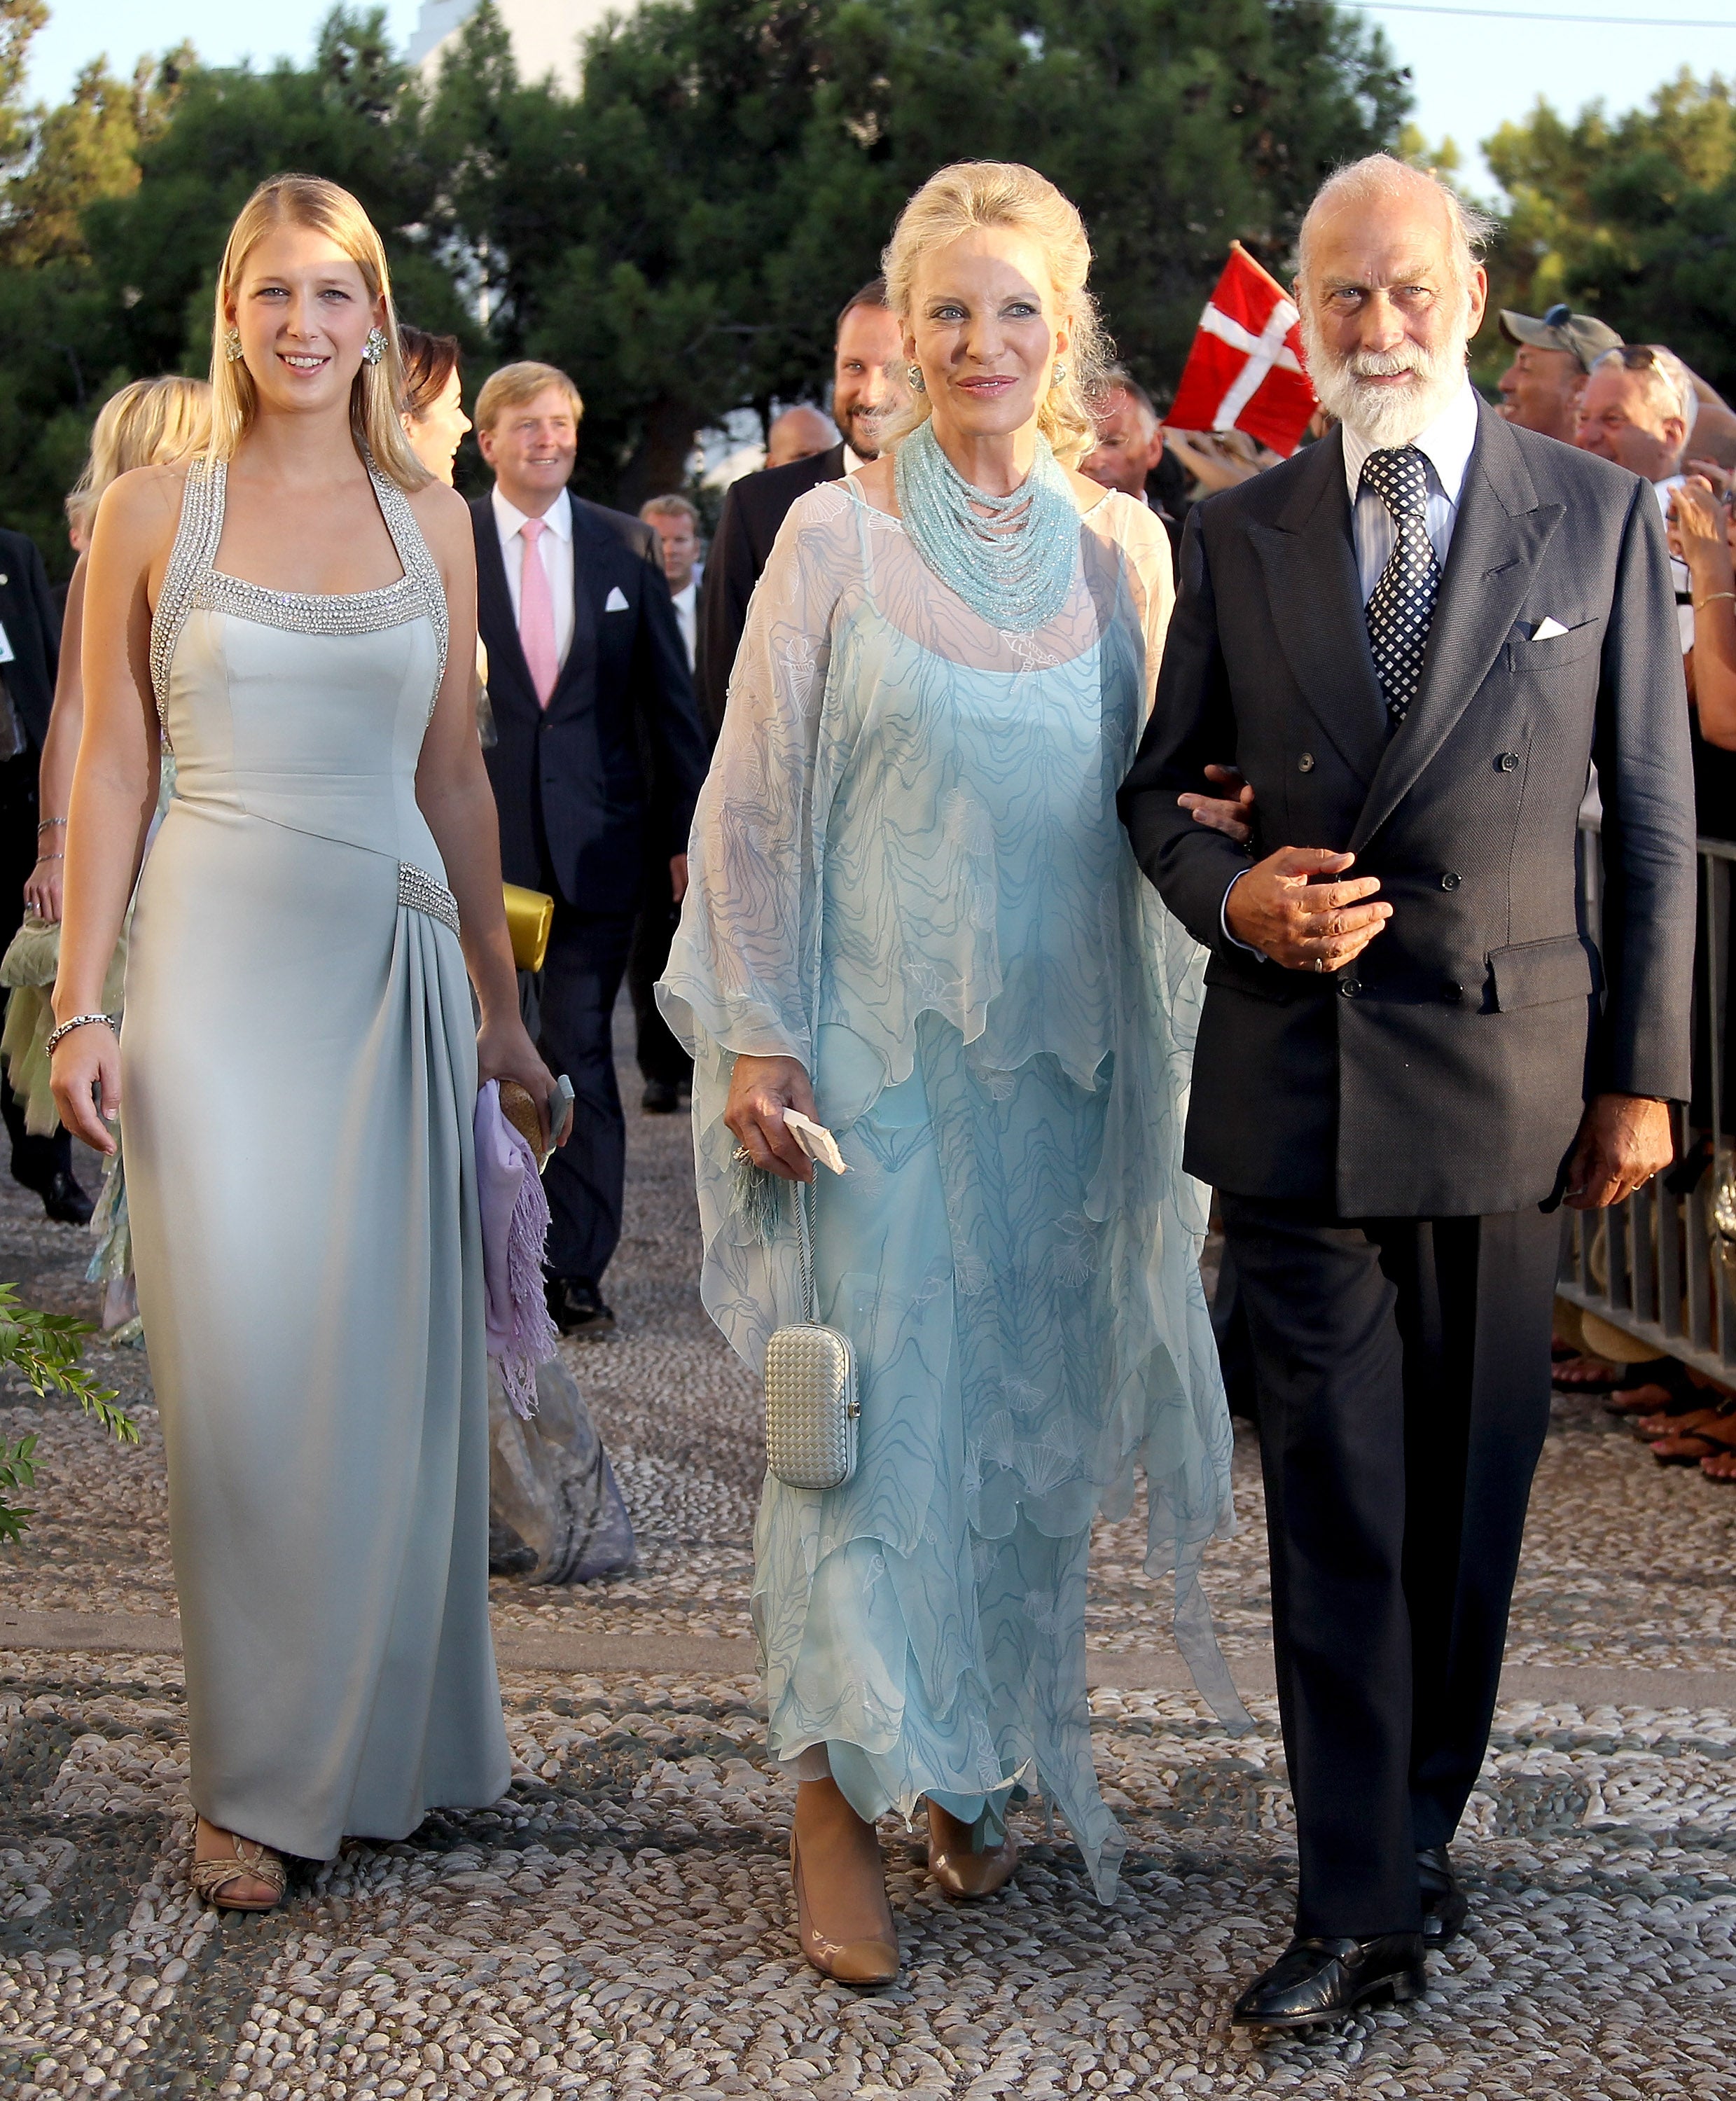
x,y
599,760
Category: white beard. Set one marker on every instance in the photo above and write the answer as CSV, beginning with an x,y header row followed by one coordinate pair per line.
x,y
1383,417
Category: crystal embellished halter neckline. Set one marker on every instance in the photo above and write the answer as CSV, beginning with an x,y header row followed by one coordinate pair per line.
x,y
1010,558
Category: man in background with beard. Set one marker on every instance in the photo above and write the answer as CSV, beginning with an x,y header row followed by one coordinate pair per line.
x,y
1413,639
868,387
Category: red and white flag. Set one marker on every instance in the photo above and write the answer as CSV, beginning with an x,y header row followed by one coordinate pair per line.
x,y
1245,372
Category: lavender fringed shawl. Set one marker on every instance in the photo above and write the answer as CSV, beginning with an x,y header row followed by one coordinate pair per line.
x,y
515,1230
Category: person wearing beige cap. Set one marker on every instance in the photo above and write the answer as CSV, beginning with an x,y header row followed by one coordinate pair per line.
x,y
1540,389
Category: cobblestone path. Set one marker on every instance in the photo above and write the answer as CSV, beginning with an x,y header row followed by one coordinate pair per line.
x,y
617,1928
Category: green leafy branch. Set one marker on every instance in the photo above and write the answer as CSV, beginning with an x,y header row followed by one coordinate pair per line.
x,y
45,1348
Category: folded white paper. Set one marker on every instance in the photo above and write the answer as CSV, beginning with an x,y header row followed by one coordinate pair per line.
x,y
1545,628
815,1140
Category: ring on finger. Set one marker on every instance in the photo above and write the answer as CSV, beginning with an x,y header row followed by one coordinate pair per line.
x,y
1319,962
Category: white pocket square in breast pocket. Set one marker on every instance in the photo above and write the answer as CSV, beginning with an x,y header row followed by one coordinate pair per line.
x,y
1545,628
617,602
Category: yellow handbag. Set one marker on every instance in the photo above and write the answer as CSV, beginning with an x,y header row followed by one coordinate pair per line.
x,y
530,915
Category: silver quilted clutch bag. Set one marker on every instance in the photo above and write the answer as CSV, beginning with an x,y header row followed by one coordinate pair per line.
x,y
812,1408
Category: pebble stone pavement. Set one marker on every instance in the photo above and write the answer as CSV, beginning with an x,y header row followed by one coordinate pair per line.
x,y
618,1926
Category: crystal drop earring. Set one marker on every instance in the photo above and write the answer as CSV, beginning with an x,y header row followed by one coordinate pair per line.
x,y
918,384
374,348
233,344
1060,375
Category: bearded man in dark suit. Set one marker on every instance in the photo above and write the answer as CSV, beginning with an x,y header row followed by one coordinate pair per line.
x,y
1414,639
867,386
600,758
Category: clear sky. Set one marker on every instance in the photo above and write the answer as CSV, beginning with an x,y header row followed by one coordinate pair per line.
x,y
1472,66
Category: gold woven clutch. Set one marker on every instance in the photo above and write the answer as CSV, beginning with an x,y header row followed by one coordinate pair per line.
x,y
530,915
520,1112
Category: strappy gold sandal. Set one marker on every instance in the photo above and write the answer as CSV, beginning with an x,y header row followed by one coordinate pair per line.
x,y
257,1863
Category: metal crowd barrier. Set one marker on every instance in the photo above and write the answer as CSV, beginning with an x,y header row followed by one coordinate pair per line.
x,y
1657,1266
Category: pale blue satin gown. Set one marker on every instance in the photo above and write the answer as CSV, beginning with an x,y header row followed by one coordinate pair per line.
x,y
906,872
298,1081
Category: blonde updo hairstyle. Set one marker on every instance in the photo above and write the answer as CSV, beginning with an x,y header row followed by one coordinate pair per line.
x,y
147,422
1004,193
376,398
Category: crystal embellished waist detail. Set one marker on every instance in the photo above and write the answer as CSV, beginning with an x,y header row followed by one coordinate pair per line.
x,y
420,891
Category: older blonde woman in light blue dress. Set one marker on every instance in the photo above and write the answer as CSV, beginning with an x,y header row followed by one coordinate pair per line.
x,y
914,915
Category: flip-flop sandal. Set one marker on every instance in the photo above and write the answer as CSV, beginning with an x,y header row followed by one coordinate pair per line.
x,y
1706,1443
1585,1375
1667,1423
1646,1401
1660,1386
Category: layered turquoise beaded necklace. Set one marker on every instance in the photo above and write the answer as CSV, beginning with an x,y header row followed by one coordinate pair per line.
x,y
1010,558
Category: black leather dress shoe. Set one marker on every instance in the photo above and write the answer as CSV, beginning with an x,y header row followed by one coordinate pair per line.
x,y
660,1098
1445,1903
576,1308
1322,1980
65,1201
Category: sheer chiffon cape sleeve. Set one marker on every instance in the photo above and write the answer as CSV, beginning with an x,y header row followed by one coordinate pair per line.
x,y
742,973
742,977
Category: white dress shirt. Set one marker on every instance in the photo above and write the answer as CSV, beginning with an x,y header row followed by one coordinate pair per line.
x,y
686,614
555,547
1445,447
852,459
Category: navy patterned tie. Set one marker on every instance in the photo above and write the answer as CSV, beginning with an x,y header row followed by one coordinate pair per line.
x,y
1403,604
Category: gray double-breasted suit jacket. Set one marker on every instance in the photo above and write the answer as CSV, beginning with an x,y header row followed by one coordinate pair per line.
x,y
1443,1073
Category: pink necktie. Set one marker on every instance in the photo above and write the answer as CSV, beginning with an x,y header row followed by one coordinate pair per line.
x,y
537,613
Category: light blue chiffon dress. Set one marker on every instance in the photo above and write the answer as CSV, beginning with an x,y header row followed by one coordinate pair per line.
x,y
906,872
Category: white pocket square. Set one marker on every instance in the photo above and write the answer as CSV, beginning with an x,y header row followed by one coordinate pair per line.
x,y
617,602
1545,628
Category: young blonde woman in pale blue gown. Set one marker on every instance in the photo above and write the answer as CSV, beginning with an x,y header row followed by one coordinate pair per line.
x,y
913,904
295,612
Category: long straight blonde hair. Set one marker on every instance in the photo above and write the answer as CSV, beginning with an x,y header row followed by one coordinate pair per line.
x,y
376,399
973,193
147,422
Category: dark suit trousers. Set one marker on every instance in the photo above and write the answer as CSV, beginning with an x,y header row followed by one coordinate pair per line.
x,y
1403,1373
34,1160
581,976
660,1057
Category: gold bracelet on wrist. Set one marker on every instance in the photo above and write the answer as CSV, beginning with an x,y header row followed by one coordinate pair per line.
x,y
1711,597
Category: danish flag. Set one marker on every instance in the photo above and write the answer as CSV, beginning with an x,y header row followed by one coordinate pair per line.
x,y
1244,372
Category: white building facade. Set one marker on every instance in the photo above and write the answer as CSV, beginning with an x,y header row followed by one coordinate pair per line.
x,y
544,33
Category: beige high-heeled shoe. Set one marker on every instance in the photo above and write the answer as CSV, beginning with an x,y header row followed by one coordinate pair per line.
x,y
960,1872
861,1962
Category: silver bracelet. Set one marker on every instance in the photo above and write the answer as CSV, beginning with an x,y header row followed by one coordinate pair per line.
x,y
77,1021
41,858
48,824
